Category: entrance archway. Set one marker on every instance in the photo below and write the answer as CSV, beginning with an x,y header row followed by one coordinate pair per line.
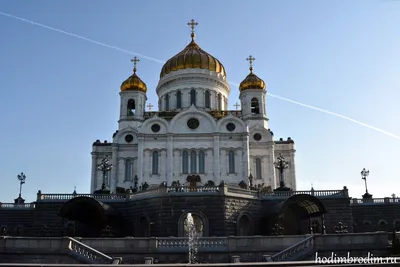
x,y
93,217
293,216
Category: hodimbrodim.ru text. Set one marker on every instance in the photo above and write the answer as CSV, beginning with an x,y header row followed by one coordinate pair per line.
x,y
369,259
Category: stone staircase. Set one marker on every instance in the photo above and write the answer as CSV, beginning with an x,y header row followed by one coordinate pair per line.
x,y
297,252
89,255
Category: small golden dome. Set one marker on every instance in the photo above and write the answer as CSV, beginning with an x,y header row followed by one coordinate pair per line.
x,y
193,57
134,83
252,81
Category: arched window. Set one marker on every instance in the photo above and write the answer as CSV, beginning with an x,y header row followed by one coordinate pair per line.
x,y
129,170
192,97
155,162
131,108
179,99
231,159
185,162
255,107
202,157
219,103
193,163
258,169
167,102
207,99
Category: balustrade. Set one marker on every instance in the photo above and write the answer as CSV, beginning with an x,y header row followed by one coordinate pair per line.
x,y
187,190
88,254
17,206
191,189
297,251
316,193
386,200
182,243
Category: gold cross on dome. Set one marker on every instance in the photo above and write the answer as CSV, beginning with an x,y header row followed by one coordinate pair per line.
x,y
192,24
135,60
250,59
236,105
149,106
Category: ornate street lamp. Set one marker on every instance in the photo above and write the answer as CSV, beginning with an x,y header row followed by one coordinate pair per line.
x,y
364,175
21,178
105,166
281,164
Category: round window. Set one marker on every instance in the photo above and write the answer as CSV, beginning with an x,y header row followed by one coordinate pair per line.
x,y
257,137
128,138
155,128
193,123
230,127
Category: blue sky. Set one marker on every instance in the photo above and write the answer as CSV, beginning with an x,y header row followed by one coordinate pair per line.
x,y
60,93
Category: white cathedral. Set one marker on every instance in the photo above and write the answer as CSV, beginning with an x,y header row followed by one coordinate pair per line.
x,y
193,132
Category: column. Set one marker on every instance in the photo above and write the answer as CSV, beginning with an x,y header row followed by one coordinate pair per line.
x,y
93,185
246,158
140,161
216,162
170,159
114,170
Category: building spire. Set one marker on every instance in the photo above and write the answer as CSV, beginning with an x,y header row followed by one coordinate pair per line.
x,y
192,24
135,60
250,59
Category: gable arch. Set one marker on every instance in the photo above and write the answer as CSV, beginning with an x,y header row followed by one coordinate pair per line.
x,y
240,125
265,133
120,135
146,126
179,123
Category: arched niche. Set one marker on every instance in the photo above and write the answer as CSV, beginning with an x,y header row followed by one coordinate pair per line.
x,y
244,225
200,222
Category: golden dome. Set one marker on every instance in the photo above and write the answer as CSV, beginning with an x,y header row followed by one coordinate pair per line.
x,y
252,81
193,57
134,83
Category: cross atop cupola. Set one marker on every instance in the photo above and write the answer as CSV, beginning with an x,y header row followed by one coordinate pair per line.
x,y
192,24
250,59
135,60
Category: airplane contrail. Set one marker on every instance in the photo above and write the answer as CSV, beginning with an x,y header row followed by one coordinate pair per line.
x,y
162,62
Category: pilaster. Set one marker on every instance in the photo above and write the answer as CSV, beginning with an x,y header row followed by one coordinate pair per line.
x,y
216,162
170,159
140,160
114,170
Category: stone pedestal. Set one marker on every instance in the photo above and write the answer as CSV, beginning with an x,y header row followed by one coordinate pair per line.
x,y
148,260
266,258
235,259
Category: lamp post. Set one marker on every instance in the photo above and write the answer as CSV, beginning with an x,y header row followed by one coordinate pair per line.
x,y
281,164
364,175
105,166
21,178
